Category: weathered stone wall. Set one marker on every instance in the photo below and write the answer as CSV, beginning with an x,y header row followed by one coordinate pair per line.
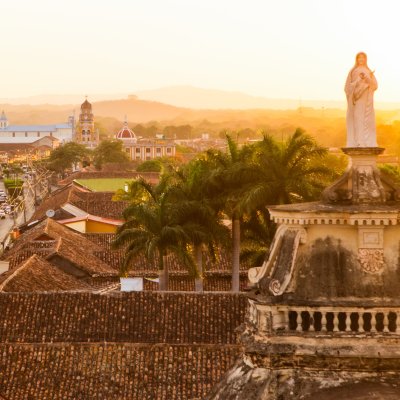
x,y
245,382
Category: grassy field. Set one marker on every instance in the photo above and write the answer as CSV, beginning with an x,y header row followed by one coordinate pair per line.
x,y
103,185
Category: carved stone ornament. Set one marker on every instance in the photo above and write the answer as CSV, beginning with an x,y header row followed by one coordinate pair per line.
x,y
275,286
371,260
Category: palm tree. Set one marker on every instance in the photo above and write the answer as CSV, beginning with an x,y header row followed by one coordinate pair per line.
x,y
196,213
257,233
285,172
278,173
265,173
228,186
152,229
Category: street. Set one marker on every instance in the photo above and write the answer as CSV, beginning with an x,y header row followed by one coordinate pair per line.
x,y
7,224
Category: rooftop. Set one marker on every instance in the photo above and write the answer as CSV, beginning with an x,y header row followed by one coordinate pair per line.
x,y
59,245
125,346
35,275
23,140
94,203
126,133
35,128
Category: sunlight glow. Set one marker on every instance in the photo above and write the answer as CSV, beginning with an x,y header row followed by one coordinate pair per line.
x,y
277,49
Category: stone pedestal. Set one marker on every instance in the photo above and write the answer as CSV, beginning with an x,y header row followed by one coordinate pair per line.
x,y
361,183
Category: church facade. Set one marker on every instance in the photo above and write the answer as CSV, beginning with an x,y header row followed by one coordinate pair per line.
x,y
141,149
64,132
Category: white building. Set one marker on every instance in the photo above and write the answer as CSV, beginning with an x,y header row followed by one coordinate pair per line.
x,y
145,149
63,132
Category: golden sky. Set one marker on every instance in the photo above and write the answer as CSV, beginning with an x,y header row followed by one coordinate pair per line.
x,y
277,49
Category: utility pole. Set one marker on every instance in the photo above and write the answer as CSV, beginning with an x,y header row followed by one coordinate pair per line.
x,y
34,189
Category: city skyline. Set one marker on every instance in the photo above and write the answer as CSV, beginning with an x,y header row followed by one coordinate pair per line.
x,y
291,49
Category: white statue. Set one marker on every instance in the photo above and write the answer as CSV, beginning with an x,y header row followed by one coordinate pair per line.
x,y
360,87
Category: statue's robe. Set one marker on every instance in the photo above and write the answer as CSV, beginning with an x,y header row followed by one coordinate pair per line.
x,y
360,121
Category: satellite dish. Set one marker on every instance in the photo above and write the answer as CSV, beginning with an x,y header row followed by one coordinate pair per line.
x,y
50,213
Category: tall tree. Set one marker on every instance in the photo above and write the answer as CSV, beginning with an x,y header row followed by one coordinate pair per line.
x,y
257,232
67,155
291,171
152,229
227,184
294,170
195,212
109,151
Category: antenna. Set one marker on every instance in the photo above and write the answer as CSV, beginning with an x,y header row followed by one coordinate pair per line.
x,y
50,213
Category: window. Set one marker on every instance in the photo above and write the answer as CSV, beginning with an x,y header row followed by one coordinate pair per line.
x,y
26,134
137,150
147,149
158,150
169,150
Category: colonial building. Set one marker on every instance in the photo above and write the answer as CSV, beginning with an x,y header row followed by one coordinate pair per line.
x,y
63,131
85,130
145,149
324,314
20,149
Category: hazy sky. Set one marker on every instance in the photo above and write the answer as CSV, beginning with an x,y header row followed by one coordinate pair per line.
x,y
281,48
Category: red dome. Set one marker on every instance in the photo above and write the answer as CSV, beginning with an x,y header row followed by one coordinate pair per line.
x,y
126,133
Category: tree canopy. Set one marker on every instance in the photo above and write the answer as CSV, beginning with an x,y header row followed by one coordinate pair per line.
x,y
64,156
109,151
187,212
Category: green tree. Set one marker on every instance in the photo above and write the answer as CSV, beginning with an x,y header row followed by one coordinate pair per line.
x,y
290,171
294,170
67,155
158,164
150,166
195,212
227,185
109,151
152,229
392,171
257,232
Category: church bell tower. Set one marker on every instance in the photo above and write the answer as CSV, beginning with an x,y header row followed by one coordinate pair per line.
x,y
85,131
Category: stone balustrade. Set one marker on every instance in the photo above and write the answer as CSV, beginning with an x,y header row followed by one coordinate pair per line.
x,y
325,320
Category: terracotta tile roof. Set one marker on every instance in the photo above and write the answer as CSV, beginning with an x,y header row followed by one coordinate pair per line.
x,y
54,202
137,317
213,282
140,264
112,371
56,242
88,217
134,346
35,275
99,204
95,203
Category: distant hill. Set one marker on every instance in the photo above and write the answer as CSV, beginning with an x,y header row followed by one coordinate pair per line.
x,y
326,124
137,111
198,98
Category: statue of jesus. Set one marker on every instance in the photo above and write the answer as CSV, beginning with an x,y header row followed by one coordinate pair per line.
x,y
360,87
